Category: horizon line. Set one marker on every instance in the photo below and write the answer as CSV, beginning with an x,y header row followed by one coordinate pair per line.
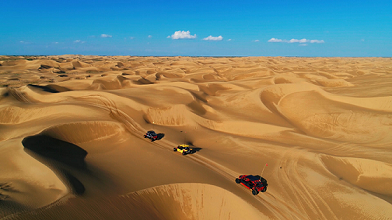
x,y
215,56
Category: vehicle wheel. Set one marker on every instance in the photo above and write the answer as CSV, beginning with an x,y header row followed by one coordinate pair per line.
x,y
174,149
237,180
145,136
255,192
152,140
183,153
264,189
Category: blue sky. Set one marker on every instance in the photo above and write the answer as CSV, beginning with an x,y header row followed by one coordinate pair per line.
x,y
197,28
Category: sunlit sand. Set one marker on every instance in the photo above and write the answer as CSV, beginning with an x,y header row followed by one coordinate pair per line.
x,y
72,146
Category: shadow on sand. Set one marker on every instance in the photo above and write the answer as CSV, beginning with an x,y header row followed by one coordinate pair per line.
x,y
60,153
160,136
51,88
194,149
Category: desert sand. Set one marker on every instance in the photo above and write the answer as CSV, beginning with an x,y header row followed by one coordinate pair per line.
x,y
72,147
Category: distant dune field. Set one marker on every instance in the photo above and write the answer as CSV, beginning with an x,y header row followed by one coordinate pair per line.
x,y
72,146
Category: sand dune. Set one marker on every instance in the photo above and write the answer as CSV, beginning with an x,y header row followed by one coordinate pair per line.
x,y
72,146
174,201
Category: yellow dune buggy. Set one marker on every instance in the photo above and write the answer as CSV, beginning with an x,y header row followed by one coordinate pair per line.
x,y
184,149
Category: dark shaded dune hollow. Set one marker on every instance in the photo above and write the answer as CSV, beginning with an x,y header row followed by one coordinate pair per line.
x,y
56,149
72,140
52,149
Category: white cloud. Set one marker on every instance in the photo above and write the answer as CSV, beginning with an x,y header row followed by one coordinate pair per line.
x,y
182,35
303,45
149,36
131,38
275,40
25,42
213,38
106,35
256,40
79,41
229,40
301,41
298,41
317,41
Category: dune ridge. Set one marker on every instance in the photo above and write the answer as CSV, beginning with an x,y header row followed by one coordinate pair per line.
x,y
174,201
72,146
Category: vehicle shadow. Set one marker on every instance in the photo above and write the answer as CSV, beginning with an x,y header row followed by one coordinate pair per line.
x,y
160,136
196,149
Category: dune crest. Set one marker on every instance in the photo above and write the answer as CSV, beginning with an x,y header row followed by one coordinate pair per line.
x,y
371,175
82,132
194,201
174,201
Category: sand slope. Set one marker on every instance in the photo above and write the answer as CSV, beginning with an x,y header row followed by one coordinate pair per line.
x,y
72,146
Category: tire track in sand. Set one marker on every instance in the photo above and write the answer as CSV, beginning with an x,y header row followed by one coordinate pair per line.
x,y
105,103
302,195
135,129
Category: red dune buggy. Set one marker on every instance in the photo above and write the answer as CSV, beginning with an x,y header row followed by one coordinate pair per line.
x,y
255,183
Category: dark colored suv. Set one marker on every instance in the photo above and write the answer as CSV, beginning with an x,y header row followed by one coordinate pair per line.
x,y
151,135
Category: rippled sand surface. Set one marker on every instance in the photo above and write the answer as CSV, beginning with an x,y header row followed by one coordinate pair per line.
x,y
72,146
